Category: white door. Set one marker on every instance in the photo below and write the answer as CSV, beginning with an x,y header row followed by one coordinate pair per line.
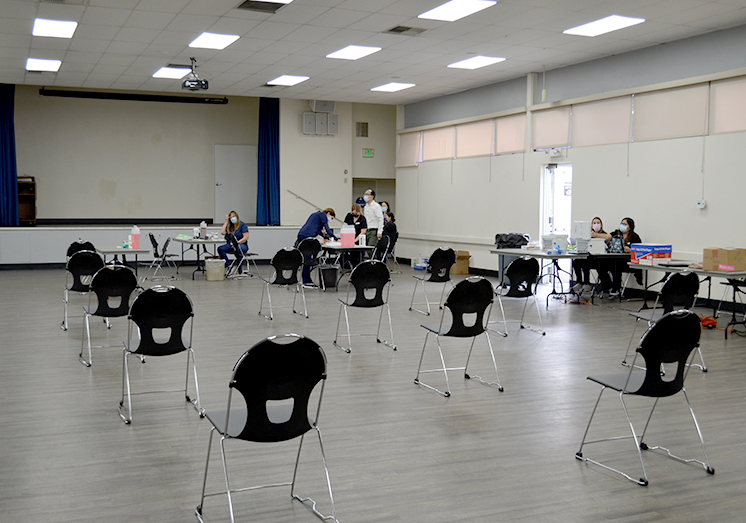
x,y
557,199
235,182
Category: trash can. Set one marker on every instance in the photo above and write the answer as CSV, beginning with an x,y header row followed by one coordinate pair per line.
x,y
328,276
214,269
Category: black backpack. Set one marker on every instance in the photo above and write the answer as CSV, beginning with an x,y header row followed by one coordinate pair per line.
x,y
511,240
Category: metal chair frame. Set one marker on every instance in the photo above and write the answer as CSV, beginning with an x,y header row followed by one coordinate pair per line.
x,y
111,283
159,258
474,295
439,266
368,275
160,307
81,266
271,360
239,267
672,339
286,263
523,275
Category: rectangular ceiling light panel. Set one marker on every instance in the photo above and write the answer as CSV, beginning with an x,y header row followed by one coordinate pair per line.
x,y
353,52
42,65
174,73
456,10
288,80
475,62
54,28
604,25
392,87
213,41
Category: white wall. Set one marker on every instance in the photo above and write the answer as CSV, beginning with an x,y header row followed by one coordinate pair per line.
x,y
381,138
99,159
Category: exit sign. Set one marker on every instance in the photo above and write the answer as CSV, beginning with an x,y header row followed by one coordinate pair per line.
x,y
367,153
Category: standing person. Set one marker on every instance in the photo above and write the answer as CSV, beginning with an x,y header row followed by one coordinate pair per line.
x,y
233,225
318,224
374,217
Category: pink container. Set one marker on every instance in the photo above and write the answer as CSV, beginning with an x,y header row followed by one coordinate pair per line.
x,y
348,237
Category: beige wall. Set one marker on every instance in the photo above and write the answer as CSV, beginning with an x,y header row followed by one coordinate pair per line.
x,y
381,138
99,159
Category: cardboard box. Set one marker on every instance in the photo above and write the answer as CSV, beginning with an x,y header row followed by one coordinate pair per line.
x,y
727,260
649,253
462,263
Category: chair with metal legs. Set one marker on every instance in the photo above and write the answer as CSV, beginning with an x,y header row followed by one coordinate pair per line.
x,y
77,246
113,287
680,290
239,267
670,340
275,380
369,286
79,271
286,263
522,275
438,271
469,304
158,322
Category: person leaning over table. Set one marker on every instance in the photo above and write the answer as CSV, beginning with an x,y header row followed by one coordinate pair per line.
x,y
318,224
374,217
582,267
626,233
233,225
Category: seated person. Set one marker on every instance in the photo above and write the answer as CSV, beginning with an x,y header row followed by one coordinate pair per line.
x,y
625,235
233,225
582,267
318,224
389,228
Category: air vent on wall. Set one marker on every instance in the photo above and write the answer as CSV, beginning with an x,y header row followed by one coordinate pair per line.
x,y
405,31
361,129
261,7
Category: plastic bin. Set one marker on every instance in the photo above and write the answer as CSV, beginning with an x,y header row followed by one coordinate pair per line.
x,y
328,276
214,269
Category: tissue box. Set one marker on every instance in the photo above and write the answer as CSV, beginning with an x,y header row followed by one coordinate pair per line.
x,y
649,253
462,263
728,260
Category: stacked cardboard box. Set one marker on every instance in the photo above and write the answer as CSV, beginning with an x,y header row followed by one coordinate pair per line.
x,y
729,260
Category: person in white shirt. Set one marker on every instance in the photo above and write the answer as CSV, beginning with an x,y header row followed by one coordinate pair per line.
x,y
374,217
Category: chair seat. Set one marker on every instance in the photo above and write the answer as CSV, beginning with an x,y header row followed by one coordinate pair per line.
x,y
616,381
237,421
651,315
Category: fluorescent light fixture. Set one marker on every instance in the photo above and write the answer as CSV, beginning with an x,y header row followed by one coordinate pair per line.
x,y
392,87
456,9
213,41
604,25
39,64
174,73
353,52
54,28
475,62
274,1
287,80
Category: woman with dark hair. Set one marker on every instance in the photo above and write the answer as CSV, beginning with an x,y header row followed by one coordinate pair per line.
x,y
625,235
582,267
233,225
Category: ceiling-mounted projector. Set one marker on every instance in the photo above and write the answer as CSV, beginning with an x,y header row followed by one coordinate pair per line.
x,y
193,82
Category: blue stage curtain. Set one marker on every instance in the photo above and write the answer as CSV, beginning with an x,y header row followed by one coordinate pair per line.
x,y
8,171
268,189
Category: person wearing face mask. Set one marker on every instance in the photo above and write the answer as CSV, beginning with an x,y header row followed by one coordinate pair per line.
x,y
374,218
627,235
233,225
385,207
318,224
582,267
355,217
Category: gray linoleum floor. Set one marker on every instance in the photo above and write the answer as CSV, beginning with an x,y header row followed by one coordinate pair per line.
x,y
396,452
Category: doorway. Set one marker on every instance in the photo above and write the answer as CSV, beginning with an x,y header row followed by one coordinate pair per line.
x,y
556,195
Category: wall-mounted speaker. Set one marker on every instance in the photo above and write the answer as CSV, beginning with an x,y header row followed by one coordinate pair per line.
x,y
321,106
309,123
333,123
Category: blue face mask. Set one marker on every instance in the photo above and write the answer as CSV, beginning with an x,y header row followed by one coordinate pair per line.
x,y
384,209
366,198
234,219
623,228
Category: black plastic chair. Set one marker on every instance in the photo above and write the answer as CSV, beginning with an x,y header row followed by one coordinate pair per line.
x,y
522,275
158,327
736,285
285,263
113,286
469,304
381,249
680,290
391,254
670,340
159,258
239,267
79,271
438,271
275,378
79,245
368,288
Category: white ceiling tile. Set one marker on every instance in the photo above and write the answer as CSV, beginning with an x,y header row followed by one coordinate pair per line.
x,y
122,4
272,30
134,34
164,6
60,11
210,7
299,14
127,48
16,40
378,22
105,16
149,20
89,46
191,23
338,18
234,26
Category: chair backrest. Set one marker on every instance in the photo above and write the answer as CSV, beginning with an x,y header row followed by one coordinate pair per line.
x,y
274,370
78,246
286,263
367,276
234,245
113,286
669,340
82,266
309,248
154,243
165,245
440,264
522,273
472,296
158,309
382,247
679,290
